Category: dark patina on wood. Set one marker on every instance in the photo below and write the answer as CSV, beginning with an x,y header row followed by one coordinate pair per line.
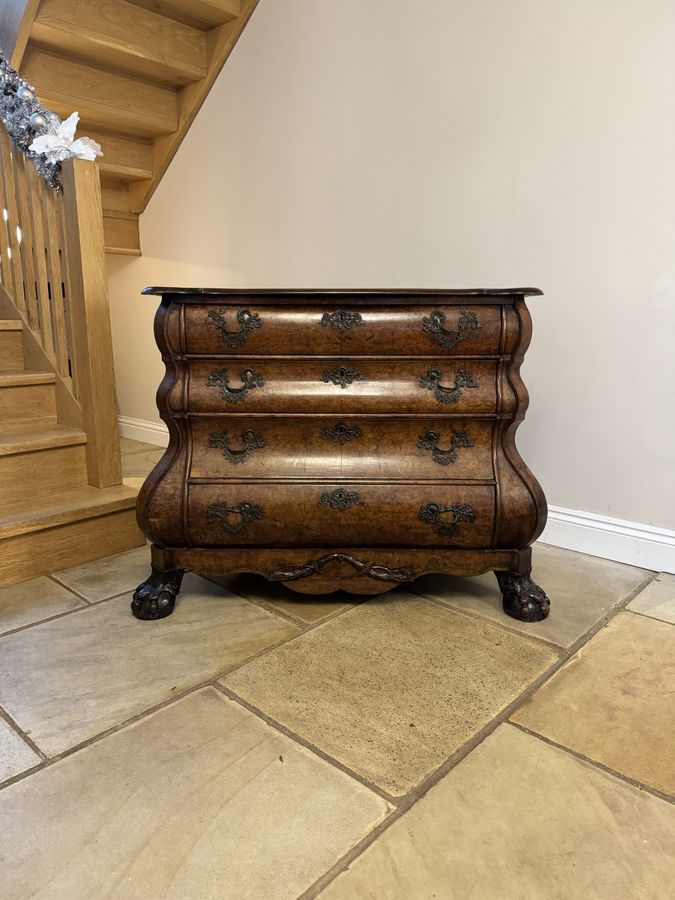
x,y
408,468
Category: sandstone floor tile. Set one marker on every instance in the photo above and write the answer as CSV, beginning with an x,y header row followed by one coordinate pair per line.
x,y
306,607
614,701
109,576
200,801
15,754
69,679
582,590
137,465
128,445
658,599
28,602
393,687
521,820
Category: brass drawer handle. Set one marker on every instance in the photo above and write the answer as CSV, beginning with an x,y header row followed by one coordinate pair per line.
x,y
434,324
219,440
247,321
460,512
341,319
341,499
444,457
247,512
341,433
342,375
431,380
250,379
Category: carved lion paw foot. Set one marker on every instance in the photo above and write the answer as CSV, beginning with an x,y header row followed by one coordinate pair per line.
x,y
523,599
156,597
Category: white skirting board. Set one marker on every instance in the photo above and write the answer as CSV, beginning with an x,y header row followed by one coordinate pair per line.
x,y
640,545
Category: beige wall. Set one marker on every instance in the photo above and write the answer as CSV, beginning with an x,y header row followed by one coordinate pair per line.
x,y
452,144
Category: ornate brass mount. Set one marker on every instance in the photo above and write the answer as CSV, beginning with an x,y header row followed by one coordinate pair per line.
x,y
341,319
246,320
434,324
341,433
342,375
247,513
431,380
430,439
251,439
460,512
250,379
313,566
341,499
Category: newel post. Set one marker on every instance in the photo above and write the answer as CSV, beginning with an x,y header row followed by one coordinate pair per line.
x,y
89,315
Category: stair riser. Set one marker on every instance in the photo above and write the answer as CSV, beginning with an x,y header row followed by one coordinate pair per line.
x,y
28,477
11,350
42,552
20,403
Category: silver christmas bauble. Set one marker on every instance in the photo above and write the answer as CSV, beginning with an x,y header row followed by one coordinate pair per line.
x,y
37,121
25,93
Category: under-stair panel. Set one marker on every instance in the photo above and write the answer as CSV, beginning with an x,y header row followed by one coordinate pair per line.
x,y
103,99
122,37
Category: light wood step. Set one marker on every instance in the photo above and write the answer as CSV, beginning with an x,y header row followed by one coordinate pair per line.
x,y
29,477
125,157
67,529
122,37
122,234
11,344
27,395
27,438
104,100
200,13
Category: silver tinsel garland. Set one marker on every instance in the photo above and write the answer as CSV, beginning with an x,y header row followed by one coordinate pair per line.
x,y
25,117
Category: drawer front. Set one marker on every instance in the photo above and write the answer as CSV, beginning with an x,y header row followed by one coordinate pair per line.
x,y
341,514
320,447
351,386
337,331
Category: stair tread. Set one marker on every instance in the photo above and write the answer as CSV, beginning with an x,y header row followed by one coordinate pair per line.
x,y
38,436
10,325
65,506
15,377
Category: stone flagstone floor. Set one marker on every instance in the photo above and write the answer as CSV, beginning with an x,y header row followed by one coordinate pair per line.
x,y
265,745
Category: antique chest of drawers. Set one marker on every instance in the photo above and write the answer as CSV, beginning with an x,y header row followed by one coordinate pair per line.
x,y
342,440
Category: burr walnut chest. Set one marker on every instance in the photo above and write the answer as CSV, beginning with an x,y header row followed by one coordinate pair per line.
x,y
342,440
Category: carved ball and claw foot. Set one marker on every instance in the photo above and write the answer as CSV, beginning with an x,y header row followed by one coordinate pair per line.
x,y
156,597
523,599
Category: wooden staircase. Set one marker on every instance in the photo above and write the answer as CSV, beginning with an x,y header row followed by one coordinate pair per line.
x,y
62,497
60,520
137,72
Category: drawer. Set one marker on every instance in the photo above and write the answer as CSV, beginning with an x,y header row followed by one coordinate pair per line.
x,y
321,447
341,514
341,331
348,386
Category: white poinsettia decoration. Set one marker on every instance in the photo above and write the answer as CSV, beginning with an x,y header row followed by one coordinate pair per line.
x,y
58,142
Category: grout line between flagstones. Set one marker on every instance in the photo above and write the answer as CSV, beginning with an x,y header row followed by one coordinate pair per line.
x,y
633,782
644,615
5,716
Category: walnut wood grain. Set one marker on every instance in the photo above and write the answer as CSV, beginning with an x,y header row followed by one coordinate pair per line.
x,y
333,448
378,515
297,386
425,330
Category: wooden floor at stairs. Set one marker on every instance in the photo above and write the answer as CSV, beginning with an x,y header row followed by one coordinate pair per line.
x,y
50,518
